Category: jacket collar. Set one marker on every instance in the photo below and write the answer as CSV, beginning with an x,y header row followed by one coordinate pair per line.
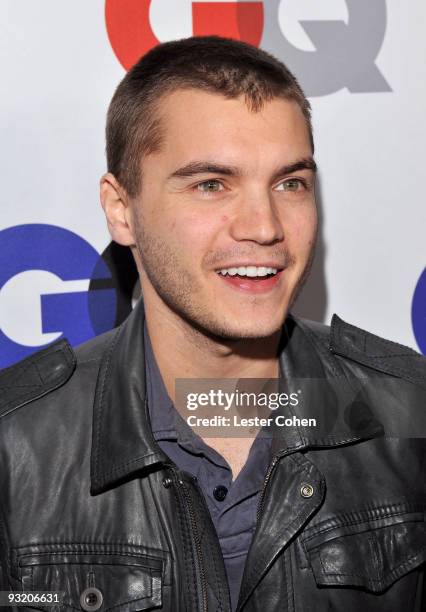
x,y
122,441
332,394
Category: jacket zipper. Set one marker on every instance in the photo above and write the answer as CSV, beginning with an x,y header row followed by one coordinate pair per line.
x,y
262,496
188,505
267,477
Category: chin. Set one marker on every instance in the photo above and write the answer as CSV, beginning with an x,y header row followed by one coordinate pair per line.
x,y
249,331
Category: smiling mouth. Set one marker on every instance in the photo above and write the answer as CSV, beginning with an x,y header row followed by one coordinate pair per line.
x,y
250,271
251,284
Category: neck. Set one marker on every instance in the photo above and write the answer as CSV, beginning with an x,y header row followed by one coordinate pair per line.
x,y
183,351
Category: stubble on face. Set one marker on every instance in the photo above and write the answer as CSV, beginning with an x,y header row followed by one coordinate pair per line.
x,y
177,287
164,271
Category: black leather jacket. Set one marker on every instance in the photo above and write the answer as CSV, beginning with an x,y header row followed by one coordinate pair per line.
x,y
93,508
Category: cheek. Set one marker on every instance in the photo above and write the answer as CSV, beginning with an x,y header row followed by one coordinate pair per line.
x,y
300,230
196,233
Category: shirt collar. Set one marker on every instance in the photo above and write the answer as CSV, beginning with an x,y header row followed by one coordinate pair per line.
x,y
166,422
162,413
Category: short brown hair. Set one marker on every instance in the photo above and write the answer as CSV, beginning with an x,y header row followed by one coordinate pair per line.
x,y
222,65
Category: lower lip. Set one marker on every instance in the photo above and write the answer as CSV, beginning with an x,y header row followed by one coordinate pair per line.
x,y
252,285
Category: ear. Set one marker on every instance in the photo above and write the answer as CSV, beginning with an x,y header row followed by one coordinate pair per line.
x,y
115,202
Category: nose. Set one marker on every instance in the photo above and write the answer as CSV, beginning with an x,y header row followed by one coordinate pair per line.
x,y
256,218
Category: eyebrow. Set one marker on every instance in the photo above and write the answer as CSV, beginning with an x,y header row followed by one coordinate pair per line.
x,y
212,167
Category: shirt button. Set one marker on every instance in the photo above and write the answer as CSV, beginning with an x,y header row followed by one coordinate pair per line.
x,y
91,599
306,490
220,492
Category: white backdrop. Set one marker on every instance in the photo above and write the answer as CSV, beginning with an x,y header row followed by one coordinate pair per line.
x,y
362,63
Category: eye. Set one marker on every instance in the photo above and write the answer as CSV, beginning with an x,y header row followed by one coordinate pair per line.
x,y
210,186
292,184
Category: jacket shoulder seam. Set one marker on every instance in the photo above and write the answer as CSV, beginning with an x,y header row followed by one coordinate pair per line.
x,y
339,327
36,375
376,352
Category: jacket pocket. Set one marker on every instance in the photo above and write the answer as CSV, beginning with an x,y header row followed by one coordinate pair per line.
x,y
92,577
371,554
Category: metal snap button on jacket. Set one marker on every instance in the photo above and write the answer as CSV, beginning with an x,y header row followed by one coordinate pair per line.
x,y
91,599
167,482
306,490
220,492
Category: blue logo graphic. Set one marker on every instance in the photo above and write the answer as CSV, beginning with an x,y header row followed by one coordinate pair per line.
x,y
418,312
77,315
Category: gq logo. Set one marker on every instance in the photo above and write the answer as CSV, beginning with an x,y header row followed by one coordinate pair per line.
x,y
341,52
418,312
68,268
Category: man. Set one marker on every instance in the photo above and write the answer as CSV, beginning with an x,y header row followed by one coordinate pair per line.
x,y
108,495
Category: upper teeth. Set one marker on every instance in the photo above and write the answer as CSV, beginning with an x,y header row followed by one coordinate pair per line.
x,y
248,271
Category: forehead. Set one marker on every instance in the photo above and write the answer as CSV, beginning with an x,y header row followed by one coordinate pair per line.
x,y
199,124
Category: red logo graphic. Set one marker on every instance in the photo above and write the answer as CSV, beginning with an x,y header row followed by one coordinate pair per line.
x,y
131,35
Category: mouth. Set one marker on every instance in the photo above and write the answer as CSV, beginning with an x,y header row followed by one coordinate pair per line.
x,y
251,279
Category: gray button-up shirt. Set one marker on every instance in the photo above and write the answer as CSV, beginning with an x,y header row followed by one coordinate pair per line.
x,y
235,517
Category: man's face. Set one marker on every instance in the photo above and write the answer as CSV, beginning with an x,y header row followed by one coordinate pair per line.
x,y
221,194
